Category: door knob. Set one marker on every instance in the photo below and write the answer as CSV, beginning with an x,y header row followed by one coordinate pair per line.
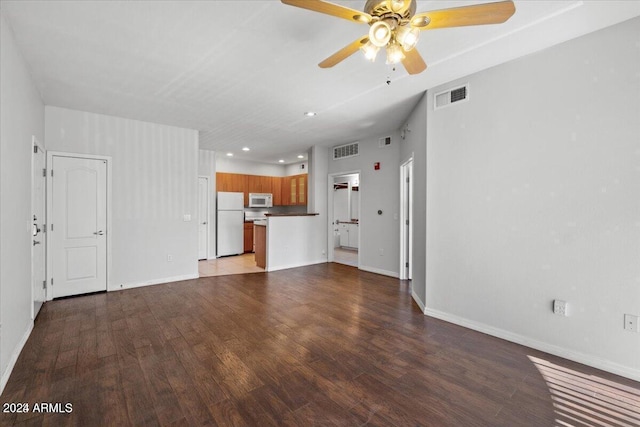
x,y
204,223
35,242
99,233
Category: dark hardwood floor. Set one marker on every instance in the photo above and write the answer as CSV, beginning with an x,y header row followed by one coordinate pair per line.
x,y
322,345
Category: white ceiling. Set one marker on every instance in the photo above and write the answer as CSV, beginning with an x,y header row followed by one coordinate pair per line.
x,y
243,72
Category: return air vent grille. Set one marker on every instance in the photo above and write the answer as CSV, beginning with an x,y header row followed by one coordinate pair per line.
x,y
347,150
451,96
384,142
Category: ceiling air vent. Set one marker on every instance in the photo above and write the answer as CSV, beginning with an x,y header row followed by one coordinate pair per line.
x,y
347,150
385,142
451,96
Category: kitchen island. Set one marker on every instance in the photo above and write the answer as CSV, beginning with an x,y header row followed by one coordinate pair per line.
x,y
290,240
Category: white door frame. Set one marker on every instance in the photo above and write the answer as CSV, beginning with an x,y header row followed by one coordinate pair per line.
x,y
208,202
42,235
406,207
330,221
107,159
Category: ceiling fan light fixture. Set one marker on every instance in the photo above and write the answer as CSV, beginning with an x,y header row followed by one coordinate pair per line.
x,y
380,33
395,5
408,37
370,51
394,53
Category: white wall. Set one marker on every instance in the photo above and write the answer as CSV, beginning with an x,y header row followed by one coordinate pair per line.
x,y
533,194
21,116
207,167
155,181
307,247
229,165
379,190
296,168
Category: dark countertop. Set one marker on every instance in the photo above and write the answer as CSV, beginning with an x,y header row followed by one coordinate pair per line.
x,y
347,222
292,214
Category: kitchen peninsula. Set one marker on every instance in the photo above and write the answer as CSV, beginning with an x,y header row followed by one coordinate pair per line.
x,y
290,240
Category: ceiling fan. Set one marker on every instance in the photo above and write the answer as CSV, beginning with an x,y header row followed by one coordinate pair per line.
x,y
395,26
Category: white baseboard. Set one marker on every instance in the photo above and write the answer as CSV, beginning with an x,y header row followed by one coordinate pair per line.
x,y
295,265
418,300
154,282
380,271
576,356
14,357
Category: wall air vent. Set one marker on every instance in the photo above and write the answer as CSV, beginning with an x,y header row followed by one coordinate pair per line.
x,y
450,96
385,142
347,150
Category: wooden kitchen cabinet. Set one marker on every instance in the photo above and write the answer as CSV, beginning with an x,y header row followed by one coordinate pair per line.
x,y
302,189
261,246
286,190
248,237
233,182
276,190
259,184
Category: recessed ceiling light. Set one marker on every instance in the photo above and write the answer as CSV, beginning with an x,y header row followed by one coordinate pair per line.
x,y
309,113
301,156
280,161
246,149
230,154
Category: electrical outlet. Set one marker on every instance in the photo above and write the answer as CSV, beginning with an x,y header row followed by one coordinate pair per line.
x,y
631,323
560,307
169,258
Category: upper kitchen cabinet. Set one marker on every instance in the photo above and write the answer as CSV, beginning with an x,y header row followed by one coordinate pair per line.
x,y
233,182
276,190
294,190
260,184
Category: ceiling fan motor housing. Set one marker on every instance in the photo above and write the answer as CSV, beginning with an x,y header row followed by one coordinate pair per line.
x,y
380,9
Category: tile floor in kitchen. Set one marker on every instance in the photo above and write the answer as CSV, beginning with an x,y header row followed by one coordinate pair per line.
x,y
238,264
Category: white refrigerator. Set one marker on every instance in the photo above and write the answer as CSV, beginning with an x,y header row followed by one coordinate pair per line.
x,y
230,223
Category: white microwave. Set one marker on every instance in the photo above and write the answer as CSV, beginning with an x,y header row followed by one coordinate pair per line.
x,y
260,200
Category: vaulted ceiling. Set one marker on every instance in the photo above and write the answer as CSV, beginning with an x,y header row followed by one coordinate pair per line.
x,y
244,72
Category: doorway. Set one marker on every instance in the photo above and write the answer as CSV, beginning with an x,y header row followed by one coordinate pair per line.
x,y
203,217
78,227
344,218
38,245
406,220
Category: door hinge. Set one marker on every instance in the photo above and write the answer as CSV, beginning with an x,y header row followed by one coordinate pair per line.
x,y
51,227
44,173
407,179
44,228
407,222
51,172
52,281
35,149
44,284
406,264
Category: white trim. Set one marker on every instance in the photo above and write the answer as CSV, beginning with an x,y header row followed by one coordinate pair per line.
x,y
379,271
330,219
209,243
296,265
418,300
576,356
49,207
124,286
406,171
14,357
36,143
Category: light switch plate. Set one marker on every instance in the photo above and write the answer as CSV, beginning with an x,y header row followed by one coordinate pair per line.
x,y
631,323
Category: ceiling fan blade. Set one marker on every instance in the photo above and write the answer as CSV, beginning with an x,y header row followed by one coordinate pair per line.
x,y
331,9
413,62
344,53
479,14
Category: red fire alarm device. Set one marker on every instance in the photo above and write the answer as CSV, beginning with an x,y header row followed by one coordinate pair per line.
x,y
376,166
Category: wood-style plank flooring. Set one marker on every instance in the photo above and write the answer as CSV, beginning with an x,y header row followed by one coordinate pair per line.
x,y
322,345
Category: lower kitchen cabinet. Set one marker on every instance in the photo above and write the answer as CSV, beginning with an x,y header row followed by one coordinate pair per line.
x,y
248,237
349,235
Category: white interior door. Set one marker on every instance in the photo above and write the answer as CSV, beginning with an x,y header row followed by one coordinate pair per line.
x,y
203,217
78,226
38,254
